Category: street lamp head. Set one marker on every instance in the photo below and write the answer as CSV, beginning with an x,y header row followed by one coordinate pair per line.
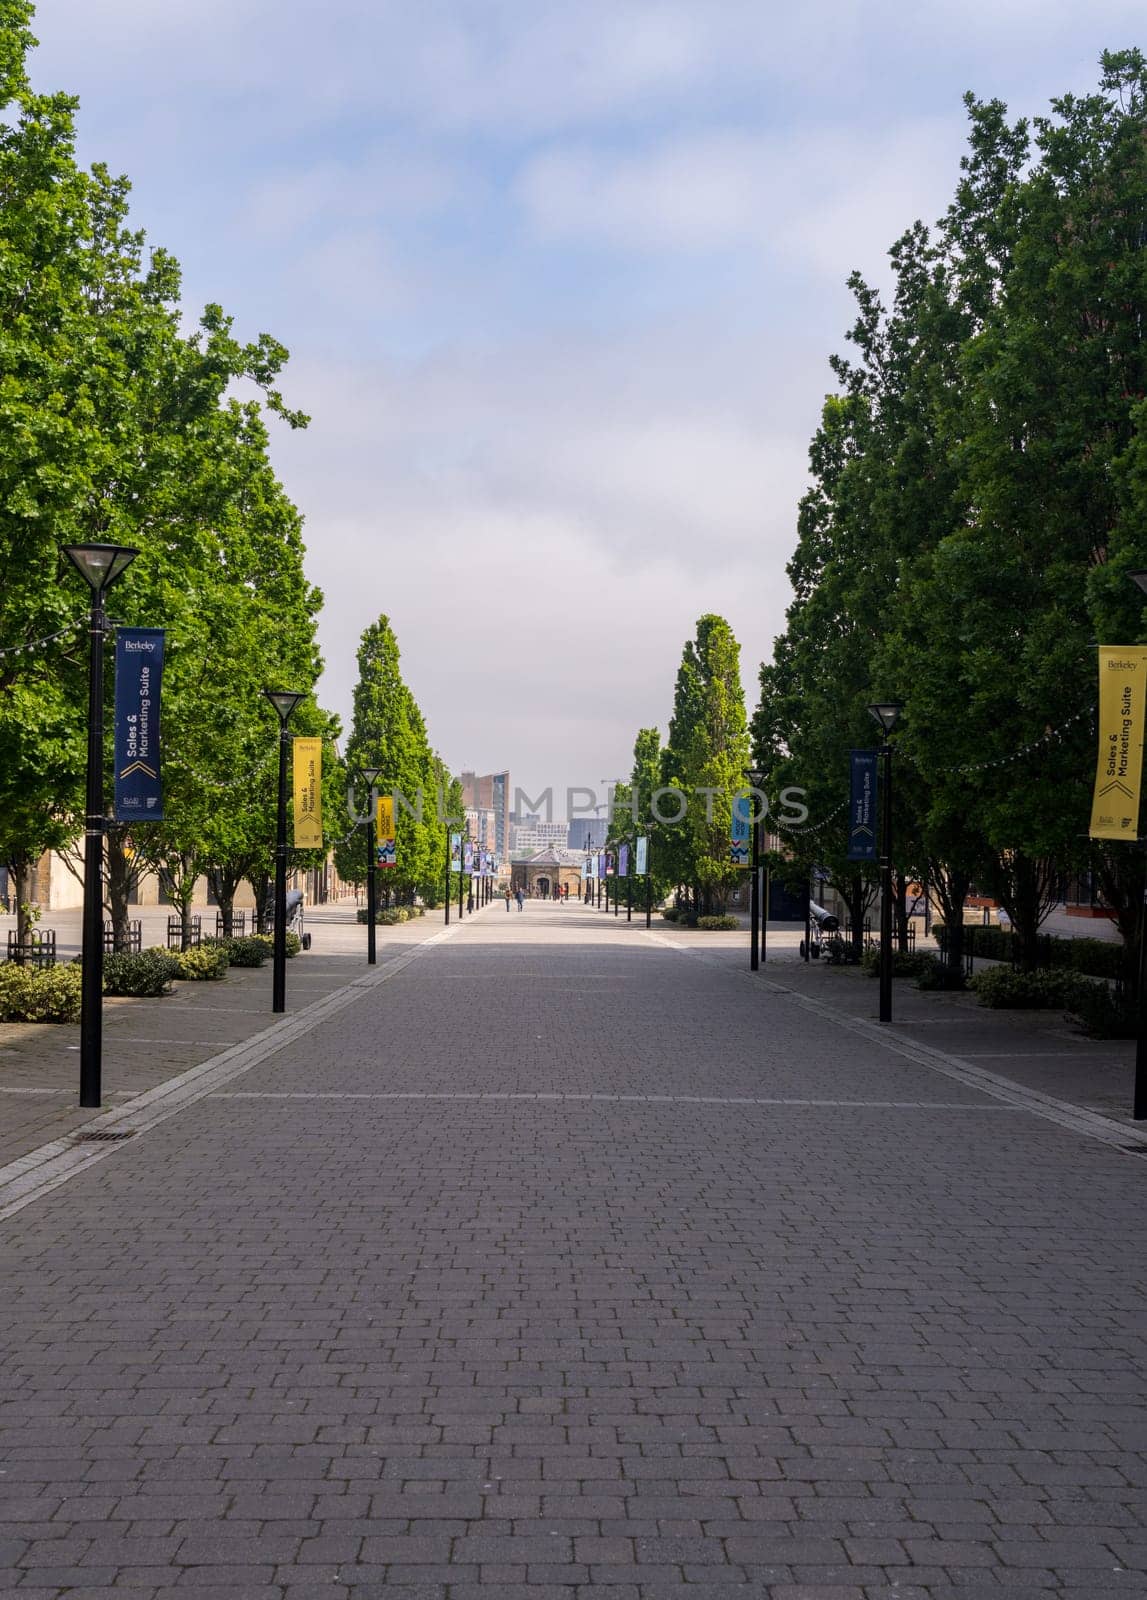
x,y
887,713
1139,578
100,564
753,777
284,702
369,775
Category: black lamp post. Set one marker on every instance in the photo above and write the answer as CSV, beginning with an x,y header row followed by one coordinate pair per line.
x,y
99,565
284,702
370,778
1139,1106
887,715
755,780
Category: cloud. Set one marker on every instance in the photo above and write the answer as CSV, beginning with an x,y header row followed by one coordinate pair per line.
x,y
809,198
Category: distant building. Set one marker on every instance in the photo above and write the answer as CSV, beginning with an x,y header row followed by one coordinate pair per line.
x,y
539,873
585,832
531,833
490,792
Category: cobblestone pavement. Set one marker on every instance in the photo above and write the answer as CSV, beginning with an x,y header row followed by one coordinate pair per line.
x,y
147,1042
564,1261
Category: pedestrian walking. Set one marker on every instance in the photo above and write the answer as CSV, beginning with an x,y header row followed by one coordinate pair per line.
x,y
521,898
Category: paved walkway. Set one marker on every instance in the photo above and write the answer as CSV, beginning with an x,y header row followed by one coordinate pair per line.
x,y
551,1257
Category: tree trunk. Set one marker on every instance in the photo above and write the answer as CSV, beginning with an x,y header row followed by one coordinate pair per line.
x,y
900,911
951,888
1024,888
120,870
19,871
261,889
224,882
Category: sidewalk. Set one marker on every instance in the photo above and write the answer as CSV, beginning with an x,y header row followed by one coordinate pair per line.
x,y
148,1042
551,1263
1037,1049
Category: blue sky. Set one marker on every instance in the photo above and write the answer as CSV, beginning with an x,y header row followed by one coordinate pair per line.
x,y
560,283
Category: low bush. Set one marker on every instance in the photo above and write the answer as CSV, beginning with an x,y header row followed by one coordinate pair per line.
x,y
388,916
1045,989
207,964
670,913
251,951
723,924
1094,958
905,963
938,974
145,975
1102,1014
294,944
40,994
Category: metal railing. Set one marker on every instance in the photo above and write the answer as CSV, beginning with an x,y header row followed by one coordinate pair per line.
x,y
131,940
37,949
175,933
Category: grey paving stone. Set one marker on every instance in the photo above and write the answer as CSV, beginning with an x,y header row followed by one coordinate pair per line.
x,y
656,1348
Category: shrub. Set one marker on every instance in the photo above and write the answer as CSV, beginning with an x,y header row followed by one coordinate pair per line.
x,y
938,974
1045,989
724,924
147,974
905,963
40,994
252,951
207,963
1105,1015
388,916
1094,958
670,913
294,944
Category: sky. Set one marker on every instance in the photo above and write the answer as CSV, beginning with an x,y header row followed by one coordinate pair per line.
x,y
560,282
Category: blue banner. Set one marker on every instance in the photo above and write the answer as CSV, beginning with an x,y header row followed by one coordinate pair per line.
x,y
623,861
138,679
468,856
739,831
862,805
642,856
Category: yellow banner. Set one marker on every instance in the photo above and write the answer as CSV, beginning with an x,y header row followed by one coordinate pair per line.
x,y
1119,768
308,770
384,841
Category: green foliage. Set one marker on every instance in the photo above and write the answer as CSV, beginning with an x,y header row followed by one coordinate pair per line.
x,y
32,994
718,924
1102,1014
147,973
1095,958
905,963
671,913
1044,989
389,734
292,944
939,975
979,494
207,963
251,951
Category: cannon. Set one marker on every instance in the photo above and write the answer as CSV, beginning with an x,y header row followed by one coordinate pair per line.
x,y
823,923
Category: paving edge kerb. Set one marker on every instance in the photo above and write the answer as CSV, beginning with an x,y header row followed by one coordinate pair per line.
x,y
46,1168
1090,1123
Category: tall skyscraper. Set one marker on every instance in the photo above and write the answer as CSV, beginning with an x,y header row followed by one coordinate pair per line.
x,y
490,791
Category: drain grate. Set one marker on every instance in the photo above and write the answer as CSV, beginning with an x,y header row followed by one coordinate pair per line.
x,y
103,1136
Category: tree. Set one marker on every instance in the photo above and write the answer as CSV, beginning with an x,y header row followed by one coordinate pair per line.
x,y
705,758
388,732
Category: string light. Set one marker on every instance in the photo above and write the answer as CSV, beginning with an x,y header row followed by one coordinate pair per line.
x,y
41,644
965,770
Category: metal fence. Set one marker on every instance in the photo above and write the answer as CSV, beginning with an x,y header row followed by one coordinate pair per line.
x,y
131,940
37,949
175,933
